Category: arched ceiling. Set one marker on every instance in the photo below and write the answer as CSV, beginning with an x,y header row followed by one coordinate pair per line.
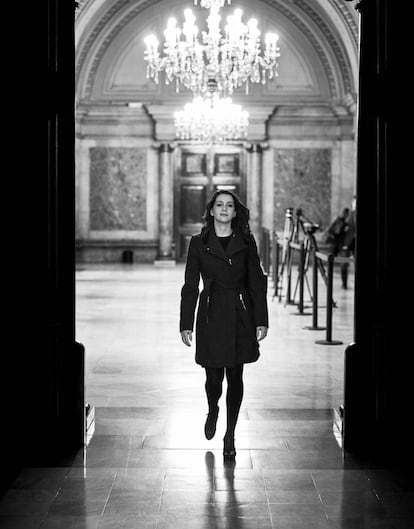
x,y
318,43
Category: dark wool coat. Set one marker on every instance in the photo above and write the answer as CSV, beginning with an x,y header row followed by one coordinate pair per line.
x,y
232,303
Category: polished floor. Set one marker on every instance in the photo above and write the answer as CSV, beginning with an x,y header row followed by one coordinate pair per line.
x,y
148,464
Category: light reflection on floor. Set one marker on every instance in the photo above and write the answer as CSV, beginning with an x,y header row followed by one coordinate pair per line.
x,y
148,464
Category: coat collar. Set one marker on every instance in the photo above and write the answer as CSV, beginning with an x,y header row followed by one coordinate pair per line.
x,y
213,245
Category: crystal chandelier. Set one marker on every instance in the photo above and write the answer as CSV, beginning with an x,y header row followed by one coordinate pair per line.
x,y
211,119
229,59
209,3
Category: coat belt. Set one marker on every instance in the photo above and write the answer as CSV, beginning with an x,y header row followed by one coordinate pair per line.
x,y
208,283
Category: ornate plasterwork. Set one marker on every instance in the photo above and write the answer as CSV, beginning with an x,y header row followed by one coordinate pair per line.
x,y
80,5
123,11
104,21
317,19
338,52
348,17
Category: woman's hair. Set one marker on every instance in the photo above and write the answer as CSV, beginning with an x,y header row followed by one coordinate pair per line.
x,y
239,223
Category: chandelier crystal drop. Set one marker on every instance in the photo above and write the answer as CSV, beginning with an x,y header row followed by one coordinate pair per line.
x,y
211,3
229,58
211,120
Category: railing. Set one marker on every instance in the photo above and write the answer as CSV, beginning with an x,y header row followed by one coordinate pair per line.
x,y
300,247
329,295
283,257
275,262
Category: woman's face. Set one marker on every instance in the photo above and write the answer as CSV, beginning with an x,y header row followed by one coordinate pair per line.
x,y
223,209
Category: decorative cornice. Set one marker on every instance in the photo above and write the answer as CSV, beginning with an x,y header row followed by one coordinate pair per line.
x,y
102,23
349,20
340,56
317,19
80,6
280,5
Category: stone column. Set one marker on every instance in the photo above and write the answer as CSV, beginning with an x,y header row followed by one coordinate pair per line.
x,y
254,188
166,193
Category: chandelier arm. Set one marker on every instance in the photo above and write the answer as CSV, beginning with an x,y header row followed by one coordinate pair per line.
x,y
230,58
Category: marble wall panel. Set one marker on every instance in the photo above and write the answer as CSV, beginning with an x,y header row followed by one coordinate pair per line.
x,y
118,190
302,179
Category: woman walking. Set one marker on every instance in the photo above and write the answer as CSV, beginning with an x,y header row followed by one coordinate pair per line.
x,y
232,315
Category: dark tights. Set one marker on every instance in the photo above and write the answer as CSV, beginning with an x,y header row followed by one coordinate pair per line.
x,y
234,396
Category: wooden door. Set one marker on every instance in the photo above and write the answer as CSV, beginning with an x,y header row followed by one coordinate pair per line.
x,y
199,171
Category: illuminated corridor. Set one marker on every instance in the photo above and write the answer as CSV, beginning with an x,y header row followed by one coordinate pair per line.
x,y
148,464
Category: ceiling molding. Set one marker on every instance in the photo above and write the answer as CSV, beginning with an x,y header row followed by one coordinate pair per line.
x,y
110,21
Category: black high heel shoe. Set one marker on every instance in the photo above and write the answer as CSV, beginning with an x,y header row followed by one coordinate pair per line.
x,y
211,422
229,450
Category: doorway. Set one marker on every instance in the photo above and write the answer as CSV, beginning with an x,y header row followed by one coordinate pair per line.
x,y
199,171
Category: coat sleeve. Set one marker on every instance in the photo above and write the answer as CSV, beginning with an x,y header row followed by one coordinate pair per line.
x,y
190,291
257,286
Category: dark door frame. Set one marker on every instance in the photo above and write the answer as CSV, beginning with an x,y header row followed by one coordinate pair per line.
x,y
43,382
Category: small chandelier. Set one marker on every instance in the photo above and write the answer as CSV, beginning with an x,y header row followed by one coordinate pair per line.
x,y
211,119
230,59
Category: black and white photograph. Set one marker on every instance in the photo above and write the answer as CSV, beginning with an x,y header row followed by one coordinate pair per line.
x,y
207,308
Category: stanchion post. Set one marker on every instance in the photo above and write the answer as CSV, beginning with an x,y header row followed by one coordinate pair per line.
x,y
301,279
301,273
314,326
329,305
280,273
329,297
289,274
275,264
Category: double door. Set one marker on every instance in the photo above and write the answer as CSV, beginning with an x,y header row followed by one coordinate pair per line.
x,y
199,171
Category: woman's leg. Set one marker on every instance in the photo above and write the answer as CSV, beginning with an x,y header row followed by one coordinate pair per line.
x,y
214,385
234,397
214,388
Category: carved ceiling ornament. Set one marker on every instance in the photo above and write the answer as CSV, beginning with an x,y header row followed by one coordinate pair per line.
x,y
122,12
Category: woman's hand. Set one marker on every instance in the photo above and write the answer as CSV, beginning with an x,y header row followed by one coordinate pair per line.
x,y
186,337
261,332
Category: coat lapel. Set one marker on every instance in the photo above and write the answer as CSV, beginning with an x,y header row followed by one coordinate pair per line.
x,y
236,244
212,244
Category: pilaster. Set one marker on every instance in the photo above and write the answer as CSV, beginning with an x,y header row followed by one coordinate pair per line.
x,y
166,192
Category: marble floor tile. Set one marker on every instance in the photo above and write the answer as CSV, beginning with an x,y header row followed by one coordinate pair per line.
x,y
22,496
241,496
130,506
78,509
60,521
180,458
148,464
298,515
21,522
41,478
363,523
24,508
238,484
341,480
187,485
127,521
177,496
293,496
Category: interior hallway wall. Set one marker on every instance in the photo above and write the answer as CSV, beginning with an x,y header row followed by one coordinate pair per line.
x,y
311,105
